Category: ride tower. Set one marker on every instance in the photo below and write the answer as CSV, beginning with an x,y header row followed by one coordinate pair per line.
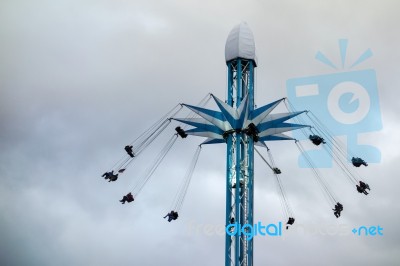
x,y
241,61
241,126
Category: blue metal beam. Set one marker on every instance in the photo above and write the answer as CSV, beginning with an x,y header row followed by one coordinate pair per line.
x,y
228,207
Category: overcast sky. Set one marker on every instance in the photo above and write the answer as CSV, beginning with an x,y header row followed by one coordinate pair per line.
x,y
81,79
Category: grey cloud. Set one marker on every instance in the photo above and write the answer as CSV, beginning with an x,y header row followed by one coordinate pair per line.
x,y
80,79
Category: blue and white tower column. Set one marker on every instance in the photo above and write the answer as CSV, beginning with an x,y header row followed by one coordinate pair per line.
x,y
240,126
241,60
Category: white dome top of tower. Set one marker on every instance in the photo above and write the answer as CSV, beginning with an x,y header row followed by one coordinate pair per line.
x,y
240,43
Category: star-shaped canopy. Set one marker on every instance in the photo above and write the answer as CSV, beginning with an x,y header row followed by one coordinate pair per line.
x,y
259,123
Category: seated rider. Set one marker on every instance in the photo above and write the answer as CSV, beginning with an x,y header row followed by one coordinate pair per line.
x,y
252,130
361,189
173,215
113,178
128,149
181,132
338,209
290,222
364,185
107,175
357,162
276,170
127,198
316,140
